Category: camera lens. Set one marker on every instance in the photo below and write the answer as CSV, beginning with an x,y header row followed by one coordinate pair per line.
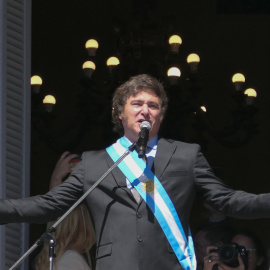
x,y
228,254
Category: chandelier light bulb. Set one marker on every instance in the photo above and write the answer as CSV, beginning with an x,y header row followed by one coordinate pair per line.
x,y
251,95
88,68
49,99
203,108
193,60
238,80
36,83
91,46
175,41
238,77
89,64
173,73
91,43
36,80
193,57
48,102
112,62
250,92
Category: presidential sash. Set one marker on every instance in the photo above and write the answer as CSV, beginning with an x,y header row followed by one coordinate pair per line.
x,y
153,193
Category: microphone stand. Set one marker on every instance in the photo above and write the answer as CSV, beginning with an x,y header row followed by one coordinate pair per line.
x,y
47,237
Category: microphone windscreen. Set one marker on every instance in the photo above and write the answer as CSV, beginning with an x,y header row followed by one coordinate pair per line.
x,y
145,124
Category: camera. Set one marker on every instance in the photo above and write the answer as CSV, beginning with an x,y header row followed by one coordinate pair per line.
x,y
228,254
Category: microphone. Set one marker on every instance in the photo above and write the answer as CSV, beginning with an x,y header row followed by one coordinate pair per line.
x,y
143,138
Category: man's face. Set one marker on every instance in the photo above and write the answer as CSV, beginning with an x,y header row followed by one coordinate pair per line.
x,y
145,106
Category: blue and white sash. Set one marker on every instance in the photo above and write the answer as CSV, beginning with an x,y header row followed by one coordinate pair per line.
x,y
151,190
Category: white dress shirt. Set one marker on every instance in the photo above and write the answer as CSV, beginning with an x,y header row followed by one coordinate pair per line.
x,y
150,155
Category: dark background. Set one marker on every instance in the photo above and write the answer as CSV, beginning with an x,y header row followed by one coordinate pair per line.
x,y
229,36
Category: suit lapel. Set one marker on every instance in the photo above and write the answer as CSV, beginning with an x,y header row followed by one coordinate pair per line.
x,y
120,179
164,153
116,172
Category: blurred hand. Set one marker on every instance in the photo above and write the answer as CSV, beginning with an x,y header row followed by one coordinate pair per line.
x,y
63,167
211,258
212,261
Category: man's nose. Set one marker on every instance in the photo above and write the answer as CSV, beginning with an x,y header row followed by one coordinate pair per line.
x,y
145,109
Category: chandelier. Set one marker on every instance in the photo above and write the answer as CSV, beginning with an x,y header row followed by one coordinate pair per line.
x,y
157,54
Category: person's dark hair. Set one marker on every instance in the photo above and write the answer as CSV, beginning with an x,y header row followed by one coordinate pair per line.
x,y
210,234
132,87
260,249
216,233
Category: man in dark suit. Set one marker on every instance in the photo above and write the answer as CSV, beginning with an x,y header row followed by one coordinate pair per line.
x,y
140,217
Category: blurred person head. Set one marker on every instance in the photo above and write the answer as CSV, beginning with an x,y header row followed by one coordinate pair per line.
x,y
257,259
213,234
75,232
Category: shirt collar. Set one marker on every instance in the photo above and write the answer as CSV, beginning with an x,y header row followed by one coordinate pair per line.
x,y
152,143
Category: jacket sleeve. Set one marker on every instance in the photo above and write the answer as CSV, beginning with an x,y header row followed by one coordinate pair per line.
x,y
43,208
234,203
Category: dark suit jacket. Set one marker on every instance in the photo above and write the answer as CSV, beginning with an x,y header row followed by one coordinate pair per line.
x,y
128,235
